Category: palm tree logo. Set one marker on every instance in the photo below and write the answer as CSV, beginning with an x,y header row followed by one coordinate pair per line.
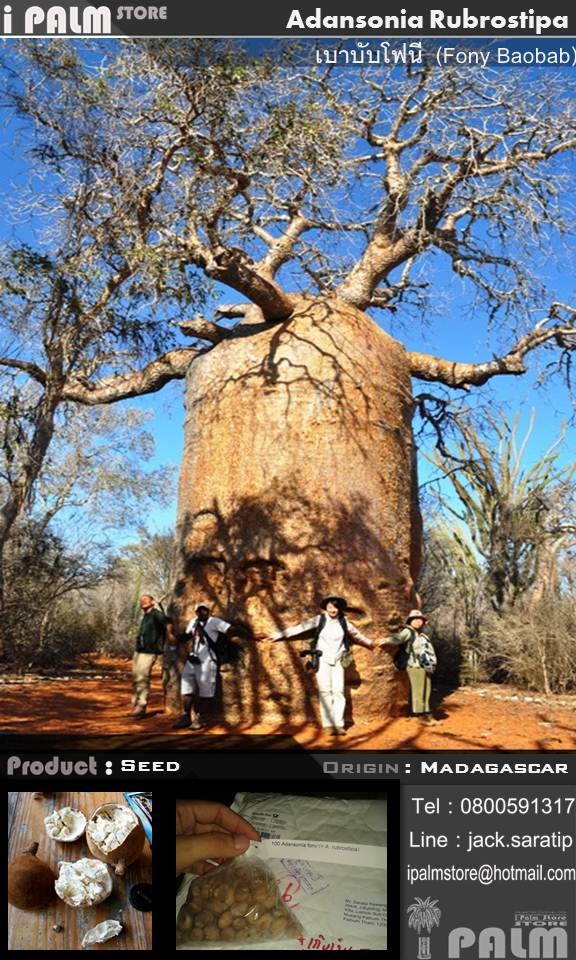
x,y
424,914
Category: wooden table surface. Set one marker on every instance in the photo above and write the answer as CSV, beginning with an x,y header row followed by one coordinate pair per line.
x,y
32,929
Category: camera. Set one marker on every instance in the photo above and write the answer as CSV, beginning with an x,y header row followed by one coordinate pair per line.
x,y
314,661
193,659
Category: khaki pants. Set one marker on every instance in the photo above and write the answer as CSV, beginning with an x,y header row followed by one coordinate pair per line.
x,y
142,664
420,689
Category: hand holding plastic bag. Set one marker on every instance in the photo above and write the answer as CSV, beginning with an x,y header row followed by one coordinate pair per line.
x,y
206,831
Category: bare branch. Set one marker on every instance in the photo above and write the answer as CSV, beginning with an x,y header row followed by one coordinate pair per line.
x,y
428,166
281,248
155,375
203,329
32,369
233,267
463,375
231,310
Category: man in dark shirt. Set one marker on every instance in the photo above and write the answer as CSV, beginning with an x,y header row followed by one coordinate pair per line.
x,y
156,631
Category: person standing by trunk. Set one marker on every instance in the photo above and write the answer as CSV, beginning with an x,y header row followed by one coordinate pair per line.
x,y
418,658
200,673
155,634
330,646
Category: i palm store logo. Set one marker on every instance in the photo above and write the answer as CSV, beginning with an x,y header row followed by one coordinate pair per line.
x,y
424,915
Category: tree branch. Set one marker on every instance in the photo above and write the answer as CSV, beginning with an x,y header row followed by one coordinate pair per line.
x,y
424,366
233,267
281,248
232,310
170,366
390,245
203,329
30,368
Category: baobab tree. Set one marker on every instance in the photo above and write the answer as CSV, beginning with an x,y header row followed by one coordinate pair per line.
x,y
323,198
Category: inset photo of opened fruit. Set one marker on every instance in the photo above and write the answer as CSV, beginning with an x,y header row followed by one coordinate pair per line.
x,y
80,871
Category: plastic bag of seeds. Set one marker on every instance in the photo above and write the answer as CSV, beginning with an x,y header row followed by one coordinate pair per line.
x,y
237,902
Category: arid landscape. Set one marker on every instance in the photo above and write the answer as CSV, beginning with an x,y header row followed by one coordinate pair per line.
x,y
95,699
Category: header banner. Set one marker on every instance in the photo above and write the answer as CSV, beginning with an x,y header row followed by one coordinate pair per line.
x,y
43,758
335,19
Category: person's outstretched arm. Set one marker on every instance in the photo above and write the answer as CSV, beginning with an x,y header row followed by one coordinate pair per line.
x,y
359,637
402,636
296,630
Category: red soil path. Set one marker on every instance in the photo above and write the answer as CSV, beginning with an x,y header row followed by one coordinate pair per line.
x,y
96,700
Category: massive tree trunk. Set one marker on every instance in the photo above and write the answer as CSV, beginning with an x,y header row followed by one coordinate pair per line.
x,y
298,481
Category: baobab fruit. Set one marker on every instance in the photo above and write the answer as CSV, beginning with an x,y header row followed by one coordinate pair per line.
x,y
84,883
30,881
102,932
115,835
65,824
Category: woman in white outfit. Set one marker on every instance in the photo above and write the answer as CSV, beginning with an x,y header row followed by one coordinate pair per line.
x,y
333,636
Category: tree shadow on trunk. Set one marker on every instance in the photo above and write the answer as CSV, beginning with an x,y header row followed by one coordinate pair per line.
x,y
238,573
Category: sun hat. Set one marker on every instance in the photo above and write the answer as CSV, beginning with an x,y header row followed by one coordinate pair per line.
x,y
416,615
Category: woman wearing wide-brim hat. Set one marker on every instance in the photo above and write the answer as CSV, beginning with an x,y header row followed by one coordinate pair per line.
x,y
419,661
333,637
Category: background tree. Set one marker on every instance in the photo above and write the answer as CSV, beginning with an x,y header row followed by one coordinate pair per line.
x,y
512,513
316,194
145,565
95,486
498,578
98,473
452,586
44,579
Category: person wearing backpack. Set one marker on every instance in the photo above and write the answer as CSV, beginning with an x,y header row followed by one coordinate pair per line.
x,y
155,637
417,656
203,640
330,653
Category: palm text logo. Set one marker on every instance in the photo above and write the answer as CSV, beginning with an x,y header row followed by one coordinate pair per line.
x,y
494,942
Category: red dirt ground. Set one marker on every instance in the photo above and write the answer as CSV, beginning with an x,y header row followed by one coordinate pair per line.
x,y
96,700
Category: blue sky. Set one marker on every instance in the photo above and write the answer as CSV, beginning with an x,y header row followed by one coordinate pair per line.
x,y
457,336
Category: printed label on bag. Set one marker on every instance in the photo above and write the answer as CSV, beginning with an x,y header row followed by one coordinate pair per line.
x,y
321,851
269,823
359,914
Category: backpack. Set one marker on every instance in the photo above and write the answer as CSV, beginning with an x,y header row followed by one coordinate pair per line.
x,y
223,649
427,658
227,651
